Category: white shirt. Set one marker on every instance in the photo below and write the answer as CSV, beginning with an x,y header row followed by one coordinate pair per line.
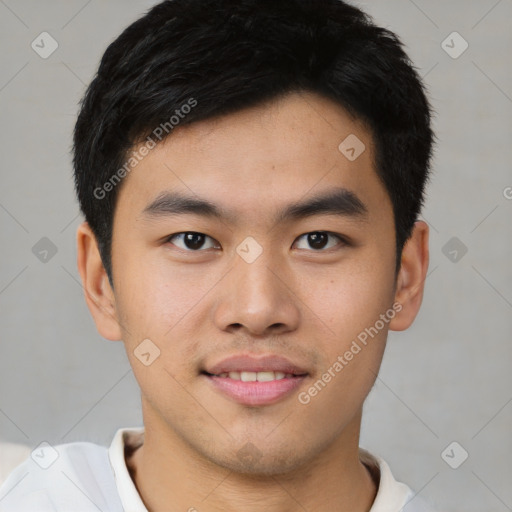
x,y
87,477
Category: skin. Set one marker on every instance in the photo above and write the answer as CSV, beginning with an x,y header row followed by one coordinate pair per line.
x,y
295,300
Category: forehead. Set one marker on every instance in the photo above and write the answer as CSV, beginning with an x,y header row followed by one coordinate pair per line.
x,y
259,157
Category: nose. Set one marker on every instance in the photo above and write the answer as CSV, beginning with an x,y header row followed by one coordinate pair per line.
x,y
258,298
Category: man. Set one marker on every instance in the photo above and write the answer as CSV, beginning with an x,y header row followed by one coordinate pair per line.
x,y
251,174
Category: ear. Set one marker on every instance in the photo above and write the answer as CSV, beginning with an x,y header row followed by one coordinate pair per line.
x,y
411,277
98,292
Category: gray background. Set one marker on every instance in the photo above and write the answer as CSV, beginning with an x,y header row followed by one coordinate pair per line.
x,y
446,379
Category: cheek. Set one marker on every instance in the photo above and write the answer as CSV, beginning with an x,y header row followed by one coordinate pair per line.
x,y
156,303
352,347
351,296
165,304
355,303
154,294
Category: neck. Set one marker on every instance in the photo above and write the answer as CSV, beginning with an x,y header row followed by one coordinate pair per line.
x,y
170,475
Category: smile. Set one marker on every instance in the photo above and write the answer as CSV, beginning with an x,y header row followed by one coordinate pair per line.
x,y
266,376
255,388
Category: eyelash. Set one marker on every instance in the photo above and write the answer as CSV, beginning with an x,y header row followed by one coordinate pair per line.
x,y
343,241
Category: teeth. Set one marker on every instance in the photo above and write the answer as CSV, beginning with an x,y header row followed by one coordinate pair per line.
x,y
265,376
256,376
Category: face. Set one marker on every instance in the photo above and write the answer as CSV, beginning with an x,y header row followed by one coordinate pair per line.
x,y
247,287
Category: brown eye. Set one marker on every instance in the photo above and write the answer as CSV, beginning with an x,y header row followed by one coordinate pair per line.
x,y
190,240
318,240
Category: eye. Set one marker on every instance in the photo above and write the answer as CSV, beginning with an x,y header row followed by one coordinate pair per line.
x,y
318,240
191,241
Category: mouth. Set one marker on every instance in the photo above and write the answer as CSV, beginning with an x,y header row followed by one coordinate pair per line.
x,y
255,388
247,376
255,381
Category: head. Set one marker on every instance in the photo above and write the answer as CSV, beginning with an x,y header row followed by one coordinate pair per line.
x,y
210,122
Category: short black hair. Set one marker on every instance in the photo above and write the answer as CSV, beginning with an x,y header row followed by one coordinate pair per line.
x,y
190,60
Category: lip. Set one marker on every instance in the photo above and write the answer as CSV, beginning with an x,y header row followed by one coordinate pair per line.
x,y
251,363
255,393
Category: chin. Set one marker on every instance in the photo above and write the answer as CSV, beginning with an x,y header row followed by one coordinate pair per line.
x,y
251,461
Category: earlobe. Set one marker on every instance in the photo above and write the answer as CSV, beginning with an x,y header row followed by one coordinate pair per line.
x,y
411,277
98,292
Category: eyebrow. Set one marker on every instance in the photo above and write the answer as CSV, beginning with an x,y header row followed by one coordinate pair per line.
x,y
339,201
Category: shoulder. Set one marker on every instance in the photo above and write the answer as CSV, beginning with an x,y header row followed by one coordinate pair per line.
x,y
73,476
11,455
392,495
